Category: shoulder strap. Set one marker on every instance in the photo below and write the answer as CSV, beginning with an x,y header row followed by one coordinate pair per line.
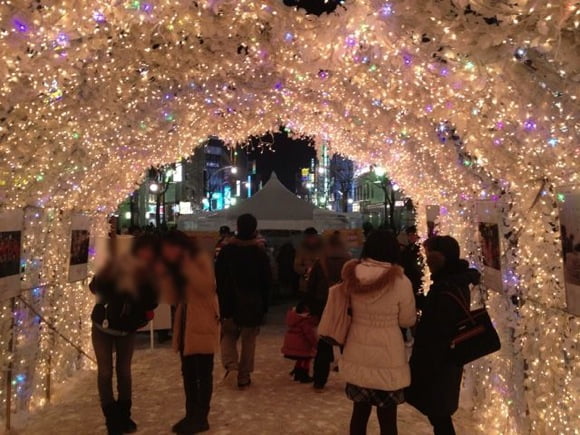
x,y
460,301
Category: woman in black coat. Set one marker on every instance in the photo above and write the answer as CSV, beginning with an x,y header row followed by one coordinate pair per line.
x,y
126,298
435,378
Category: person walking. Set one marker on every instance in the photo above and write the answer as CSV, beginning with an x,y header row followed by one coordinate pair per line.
x,y
126,298
300,340
189,284
308,252
243,277
374,362
325,273
436,379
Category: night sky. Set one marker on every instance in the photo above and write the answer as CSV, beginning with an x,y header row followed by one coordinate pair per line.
x,y
287,157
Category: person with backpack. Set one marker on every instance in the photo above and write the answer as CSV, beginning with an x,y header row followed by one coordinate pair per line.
x,y
325,273
243,276
435,377
126,297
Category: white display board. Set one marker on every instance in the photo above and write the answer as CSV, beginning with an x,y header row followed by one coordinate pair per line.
x,y
488,228
11,232
569,205
79,248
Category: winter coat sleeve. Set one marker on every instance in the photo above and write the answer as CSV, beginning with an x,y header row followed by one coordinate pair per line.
x,y
266,275
299,264
224,290
200,275
407,309
443,319
148,296
313,280
309,332
103,284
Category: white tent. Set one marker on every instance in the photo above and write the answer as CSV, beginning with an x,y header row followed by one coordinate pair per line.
x,y
275,207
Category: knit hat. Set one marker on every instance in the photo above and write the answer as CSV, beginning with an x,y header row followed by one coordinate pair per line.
x,y
446,245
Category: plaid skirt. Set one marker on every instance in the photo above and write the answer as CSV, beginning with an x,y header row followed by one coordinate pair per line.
x,y
378,398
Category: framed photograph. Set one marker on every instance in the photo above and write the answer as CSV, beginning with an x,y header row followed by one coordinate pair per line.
x,y
433,213
569,205
79,248
488,228
11,225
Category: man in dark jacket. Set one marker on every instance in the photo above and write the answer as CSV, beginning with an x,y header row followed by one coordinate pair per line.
x,y
243,277
435,377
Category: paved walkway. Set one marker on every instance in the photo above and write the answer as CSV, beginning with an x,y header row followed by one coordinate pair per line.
x,y
273,405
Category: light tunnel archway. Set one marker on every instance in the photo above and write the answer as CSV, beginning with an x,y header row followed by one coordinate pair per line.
x,y
95,96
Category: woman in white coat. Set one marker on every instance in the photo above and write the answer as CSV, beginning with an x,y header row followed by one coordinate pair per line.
x,y
374,362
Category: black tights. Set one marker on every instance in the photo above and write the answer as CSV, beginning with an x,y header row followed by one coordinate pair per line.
x,y
360,418
442,424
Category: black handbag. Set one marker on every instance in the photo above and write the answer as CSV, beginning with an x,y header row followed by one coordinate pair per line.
x,y
475,336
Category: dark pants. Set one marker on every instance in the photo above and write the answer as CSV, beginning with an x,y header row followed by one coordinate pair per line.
x,y
244,362
360,418
324,357
123,346
442,425
197,371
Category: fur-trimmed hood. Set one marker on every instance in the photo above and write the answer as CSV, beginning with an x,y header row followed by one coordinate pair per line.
x,y
370,277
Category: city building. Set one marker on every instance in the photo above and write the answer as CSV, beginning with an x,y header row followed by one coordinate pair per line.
x,y
380,200
213,178
328,182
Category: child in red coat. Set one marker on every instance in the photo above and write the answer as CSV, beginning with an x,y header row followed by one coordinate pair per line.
x,y
300,341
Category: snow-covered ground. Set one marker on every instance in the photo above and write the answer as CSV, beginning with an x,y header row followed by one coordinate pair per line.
x,y
273,405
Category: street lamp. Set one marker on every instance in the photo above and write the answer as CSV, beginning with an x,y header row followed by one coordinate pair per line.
x,y
379,171
154,187
389,188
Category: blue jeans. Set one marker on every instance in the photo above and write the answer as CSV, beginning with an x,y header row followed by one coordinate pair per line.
x,y
123,346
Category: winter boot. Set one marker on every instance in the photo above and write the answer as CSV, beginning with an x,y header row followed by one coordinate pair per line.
x,y
183,425
111,413
126,424
194,428
196,423
302,376
296,374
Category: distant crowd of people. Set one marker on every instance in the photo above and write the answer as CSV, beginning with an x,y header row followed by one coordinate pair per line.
x,y
221,299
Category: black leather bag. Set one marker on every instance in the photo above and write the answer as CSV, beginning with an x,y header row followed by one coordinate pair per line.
x,y
475,336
